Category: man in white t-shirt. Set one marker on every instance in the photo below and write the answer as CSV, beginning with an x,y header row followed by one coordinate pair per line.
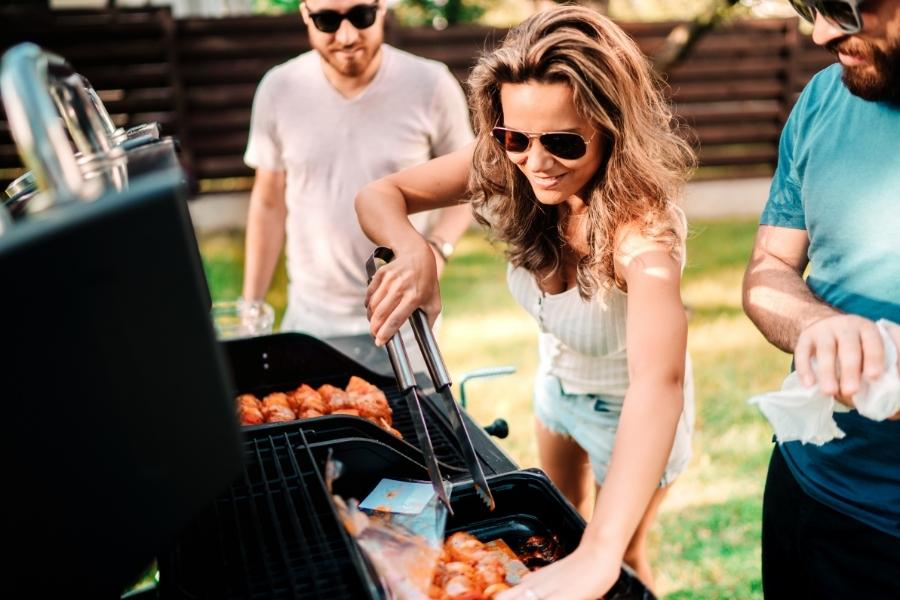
x,y
324,124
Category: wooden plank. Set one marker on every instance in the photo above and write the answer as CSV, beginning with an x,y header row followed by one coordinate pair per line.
x,y
221,166
220,96
93,23
726,68
9,156
761,89
201,121
738,133
242,25
240,47
745,45
729,111
145,100
737,155
136,51
226,71
133,76
219,143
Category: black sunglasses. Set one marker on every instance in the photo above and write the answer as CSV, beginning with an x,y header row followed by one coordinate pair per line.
x,y
843,14
361,16
567,145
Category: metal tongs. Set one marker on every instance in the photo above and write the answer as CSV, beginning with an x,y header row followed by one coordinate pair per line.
x,y
406,380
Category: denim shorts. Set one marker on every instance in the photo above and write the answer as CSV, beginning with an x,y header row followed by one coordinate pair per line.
x,y
591,420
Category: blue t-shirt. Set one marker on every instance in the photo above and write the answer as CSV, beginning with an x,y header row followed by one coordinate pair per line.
x,y
838,178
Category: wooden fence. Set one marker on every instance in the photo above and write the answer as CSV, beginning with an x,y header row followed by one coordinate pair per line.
x,y
197,77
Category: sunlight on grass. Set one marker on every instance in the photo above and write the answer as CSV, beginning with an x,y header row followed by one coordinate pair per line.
x,y
706,544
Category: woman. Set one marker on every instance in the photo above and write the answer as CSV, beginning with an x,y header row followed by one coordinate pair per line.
x,y
574,168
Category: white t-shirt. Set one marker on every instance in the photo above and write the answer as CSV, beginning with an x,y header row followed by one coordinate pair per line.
x,y
330,147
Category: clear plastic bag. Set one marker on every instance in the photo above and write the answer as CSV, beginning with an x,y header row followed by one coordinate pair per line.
x,y
404,547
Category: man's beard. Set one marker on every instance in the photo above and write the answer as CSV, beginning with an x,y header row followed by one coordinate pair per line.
x,y
881,85
353,68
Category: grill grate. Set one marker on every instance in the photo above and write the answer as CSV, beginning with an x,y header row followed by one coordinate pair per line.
x,y
273,534
445,446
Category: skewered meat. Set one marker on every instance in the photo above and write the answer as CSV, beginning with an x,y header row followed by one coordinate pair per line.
x,y
464,547
305,398
277,409
279,414
276,399
371,401
358,385
249,410
249,400
334,397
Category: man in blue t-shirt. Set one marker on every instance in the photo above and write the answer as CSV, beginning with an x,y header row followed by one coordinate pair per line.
x,y
831,513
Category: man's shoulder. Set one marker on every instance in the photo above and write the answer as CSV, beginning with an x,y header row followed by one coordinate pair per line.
x,y
290,68
411,65
827,81
820,96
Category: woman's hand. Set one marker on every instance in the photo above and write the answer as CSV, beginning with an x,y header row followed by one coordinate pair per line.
x,y
586,574
408,282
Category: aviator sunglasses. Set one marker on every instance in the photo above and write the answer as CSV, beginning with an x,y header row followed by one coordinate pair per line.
x,y
843,14
561,144
361,16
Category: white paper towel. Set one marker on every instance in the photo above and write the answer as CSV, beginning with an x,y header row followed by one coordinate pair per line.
x,y
802,413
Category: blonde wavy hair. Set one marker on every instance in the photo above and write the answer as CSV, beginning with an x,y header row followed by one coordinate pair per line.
x,y
614,88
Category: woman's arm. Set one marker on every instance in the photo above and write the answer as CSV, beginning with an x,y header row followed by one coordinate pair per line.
x,y
657,339
410,281
656,333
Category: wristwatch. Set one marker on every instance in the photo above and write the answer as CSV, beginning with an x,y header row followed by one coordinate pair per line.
x,y
444,248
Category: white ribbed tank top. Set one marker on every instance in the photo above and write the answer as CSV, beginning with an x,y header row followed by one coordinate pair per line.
x,y
581,342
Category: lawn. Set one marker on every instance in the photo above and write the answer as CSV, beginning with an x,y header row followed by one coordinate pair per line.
x,y
706,544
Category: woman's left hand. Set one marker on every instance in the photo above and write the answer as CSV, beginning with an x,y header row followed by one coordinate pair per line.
x,y
586,574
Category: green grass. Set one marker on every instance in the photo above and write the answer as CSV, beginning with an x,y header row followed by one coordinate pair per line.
x,y
706,544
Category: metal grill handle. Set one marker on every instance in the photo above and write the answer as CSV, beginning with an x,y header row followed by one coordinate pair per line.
x,y
38,88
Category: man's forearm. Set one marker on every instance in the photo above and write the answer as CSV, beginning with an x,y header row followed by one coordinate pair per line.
x,y
780,304
265,239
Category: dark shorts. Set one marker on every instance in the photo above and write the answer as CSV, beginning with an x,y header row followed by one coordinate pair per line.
x,y
812,551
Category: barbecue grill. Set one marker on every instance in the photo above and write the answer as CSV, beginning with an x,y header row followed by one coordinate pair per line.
x,y
275,534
